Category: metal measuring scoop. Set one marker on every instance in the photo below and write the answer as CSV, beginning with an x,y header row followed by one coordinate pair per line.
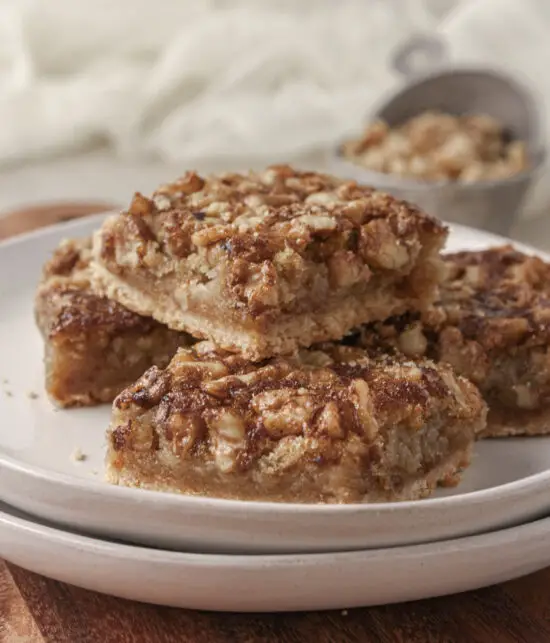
x,y
492,205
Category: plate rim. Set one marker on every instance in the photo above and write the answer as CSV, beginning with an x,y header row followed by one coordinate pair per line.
x,y
298,581
130,551
228,505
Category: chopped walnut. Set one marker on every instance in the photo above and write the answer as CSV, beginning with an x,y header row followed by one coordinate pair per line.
x,y
229,438
412,341
439,147
185,429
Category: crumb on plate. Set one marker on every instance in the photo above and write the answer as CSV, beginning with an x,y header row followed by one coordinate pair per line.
x,y
78,456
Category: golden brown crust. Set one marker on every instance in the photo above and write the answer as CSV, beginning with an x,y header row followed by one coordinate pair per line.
x,y
492,325
254,252
502,421
94,347
216,424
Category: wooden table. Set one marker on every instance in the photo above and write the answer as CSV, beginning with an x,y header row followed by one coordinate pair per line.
x,y
34,609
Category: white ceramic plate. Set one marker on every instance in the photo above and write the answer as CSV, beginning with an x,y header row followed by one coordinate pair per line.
x,y
508,483
274,583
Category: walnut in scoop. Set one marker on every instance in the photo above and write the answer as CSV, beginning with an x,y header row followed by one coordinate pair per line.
x,y
327,425
440,147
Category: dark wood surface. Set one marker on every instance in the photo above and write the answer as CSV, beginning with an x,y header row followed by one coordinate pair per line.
x,y
34,609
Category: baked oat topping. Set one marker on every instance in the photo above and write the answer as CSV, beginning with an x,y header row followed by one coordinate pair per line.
x,y
434,146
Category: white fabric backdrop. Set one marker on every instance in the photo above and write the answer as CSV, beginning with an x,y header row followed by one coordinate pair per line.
x,y
189,80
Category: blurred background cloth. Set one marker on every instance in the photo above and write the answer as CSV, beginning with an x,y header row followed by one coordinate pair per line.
x,y
198,82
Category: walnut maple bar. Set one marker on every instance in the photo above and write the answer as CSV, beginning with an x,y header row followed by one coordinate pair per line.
x,y
326,425
492,325
93,347
262,264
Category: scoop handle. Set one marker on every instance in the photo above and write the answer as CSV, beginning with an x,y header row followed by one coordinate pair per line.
x,y
420,54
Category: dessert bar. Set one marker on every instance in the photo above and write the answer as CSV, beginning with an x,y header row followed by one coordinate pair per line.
x,y
332,424
492,325
93,347
262,264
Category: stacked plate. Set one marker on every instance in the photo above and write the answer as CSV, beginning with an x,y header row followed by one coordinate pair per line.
x,y
59,518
